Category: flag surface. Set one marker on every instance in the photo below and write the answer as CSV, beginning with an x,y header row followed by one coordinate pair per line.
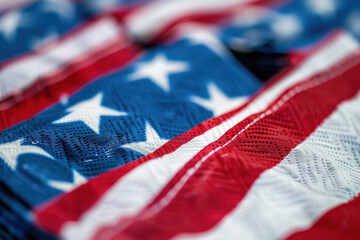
x,y
179,119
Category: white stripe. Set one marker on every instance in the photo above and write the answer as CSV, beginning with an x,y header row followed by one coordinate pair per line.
x,y
23,73
317,175
152,18
138,187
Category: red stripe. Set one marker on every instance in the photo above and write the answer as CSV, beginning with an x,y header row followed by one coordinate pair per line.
x,y
66,208
72,33
342,222
222,181
53,215
46,92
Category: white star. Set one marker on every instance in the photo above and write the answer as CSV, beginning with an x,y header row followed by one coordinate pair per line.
x,y
152,142
63,8
89,112
218,103
10,152
287,26
9,24
325,8
209,39
158,70
78,180
204,35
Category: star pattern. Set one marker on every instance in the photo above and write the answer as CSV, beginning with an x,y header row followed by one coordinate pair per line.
x,y
78,180
10,152
208,38
153,141
9,24
218,102
158,70
89,112
326,8
287,26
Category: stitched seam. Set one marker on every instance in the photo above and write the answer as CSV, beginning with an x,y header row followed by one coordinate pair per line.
x,y
318,80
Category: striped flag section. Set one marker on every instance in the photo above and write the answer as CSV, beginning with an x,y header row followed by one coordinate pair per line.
x,y
219,176
67,64
20,74
61,67
342,222
146,26
315,176
207,178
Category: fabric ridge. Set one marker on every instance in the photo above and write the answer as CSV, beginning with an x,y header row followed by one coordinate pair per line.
x,y
202,119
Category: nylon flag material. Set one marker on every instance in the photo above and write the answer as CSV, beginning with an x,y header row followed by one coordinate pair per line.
x,y
202,119
135,193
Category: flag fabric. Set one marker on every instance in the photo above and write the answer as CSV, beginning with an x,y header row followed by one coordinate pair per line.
x,y
211,179
151,119
121,117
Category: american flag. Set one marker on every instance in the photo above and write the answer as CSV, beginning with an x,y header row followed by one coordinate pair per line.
x,y
202,119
